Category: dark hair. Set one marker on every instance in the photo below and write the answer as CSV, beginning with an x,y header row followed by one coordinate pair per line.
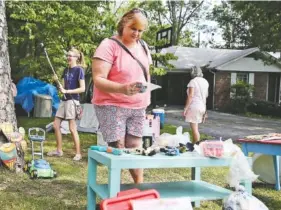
x,y
128,16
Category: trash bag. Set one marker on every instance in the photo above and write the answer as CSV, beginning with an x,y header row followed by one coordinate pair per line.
x,y
239,169
242,200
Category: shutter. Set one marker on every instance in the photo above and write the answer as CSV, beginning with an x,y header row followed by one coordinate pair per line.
x,y
280,91
232,82
251,81
251,78
233,78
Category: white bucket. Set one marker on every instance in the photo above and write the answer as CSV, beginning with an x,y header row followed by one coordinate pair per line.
x,y
100,141
264,167
161,114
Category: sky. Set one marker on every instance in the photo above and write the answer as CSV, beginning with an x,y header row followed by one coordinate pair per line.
x,y
204,36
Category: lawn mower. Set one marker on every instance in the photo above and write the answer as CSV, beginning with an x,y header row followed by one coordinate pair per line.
x,y
38,168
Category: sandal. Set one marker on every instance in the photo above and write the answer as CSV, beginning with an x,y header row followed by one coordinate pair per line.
x,y
77,157
55,153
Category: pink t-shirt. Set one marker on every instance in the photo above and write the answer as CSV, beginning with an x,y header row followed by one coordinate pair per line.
x,y
124,70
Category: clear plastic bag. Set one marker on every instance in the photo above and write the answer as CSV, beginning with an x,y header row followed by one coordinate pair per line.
x,y
167,139
241,200
239,168
163,204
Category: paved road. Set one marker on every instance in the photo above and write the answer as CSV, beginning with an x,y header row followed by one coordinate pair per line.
x,y
226,125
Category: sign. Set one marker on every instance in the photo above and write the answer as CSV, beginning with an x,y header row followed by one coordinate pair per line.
x,y
165,36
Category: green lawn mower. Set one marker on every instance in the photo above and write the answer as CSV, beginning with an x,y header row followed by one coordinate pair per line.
x,y
38,168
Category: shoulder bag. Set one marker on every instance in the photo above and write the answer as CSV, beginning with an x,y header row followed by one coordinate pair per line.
x,y
138,61
205,115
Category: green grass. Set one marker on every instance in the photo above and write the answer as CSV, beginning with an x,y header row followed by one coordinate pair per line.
x,y
68,190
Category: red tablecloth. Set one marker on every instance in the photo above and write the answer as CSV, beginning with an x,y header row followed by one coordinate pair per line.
x,y
262,141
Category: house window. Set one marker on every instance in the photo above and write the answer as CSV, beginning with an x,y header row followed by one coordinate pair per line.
x,y
242,77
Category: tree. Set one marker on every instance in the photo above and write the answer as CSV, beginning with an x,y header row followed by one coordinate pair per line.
x,y
176,14
235,29
251,24
7,108
60,25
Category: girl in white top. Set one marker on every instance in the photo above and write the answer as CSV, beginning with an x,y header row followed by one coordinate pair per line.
x,y
195,106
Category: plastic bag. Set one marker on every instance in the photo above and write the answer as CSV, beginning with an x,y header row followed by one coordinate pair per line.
x,y
163,204
239,168
167,139
241,200
212,148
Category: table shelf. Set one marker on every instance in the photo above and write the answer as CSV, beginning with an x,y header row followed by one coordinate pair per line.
x,y
196,190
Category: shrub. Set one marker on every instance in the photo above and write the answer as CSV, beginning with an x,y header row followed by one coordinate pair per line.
x,y
265,108
241,96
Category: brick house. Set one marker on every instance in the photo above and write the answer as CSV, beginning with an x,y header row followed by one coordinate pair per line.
x,y
222,68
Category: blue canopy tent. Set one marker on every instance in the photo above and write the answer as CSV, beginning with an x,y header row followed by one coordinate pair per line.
x,y
28,87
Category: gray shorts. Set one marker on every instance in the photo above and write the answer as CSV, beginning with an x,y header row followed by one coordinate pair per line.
x,y
67,110
115,122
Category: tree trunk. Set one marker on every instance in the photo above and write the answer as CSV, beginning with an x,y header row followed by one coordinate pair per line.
x,y
7,105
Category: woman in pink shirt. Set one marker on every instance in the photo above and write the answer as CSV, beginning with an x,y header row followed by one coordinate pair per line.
x,y
119,100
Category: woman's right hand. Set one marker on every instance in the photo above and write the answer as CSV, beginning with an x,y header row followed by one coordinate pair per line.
x,y
131,89
185,111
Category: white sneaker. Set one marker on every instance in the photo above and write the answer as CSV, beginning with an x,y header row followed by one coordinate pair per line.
x,y
77,157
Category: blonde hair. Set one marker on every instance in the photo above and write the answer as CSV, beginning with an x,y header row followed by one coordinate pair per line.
x,y
80,55
130,15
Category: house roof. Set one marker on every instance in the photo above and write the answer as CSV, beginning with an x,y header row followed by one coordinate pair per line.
x,y
212,58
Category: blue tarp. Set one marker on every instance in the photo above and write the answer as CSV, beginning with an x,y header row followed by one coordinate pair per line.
x,y
28,87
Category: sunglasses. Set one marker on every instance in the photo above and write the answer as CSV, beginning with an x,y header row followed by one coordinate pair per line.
x,y
136,10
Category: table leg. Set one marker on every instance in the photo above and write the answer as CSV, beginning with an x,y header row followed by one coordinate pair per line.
x,y
92,180
245,149
276,170
114,180
196,175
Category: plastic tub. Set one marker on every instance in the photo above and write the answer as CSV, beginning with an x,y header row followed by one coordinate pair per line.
x,y
161,114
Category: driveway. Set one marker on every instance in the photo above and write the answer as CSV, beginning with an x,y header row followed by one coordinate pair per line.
x,y
226,125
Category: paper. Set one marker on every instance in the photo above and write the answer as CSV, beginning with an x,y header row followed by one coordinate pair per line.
x,y
153,86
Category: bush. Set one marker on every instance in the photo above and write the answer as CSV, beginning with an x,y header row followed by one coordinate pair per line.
x,y
265,108
241,96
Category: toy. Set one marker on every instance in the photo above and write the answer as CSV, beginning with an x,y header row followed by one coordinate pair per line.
x,y
8,155
111,150
39,167
170,151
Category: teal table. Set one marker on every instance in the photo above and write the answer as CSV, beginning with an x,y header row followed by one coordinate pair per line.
x,y
196,189
267,147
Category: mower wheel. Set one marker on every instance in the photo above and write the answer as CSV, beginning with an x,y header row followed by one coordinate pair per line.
x,y
33,174
55,174
25,168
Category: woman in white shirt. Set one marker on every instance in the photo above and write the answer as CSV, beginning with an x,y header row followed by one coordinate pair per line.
x,y
195,106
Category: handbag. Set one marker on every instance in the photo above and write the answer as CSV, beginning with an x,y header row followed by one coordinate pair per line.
x,y
138,61
205,116
78,110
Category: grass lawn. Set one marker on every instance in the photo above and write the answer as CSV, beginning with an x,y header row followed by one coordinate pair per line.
x,y
68,190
